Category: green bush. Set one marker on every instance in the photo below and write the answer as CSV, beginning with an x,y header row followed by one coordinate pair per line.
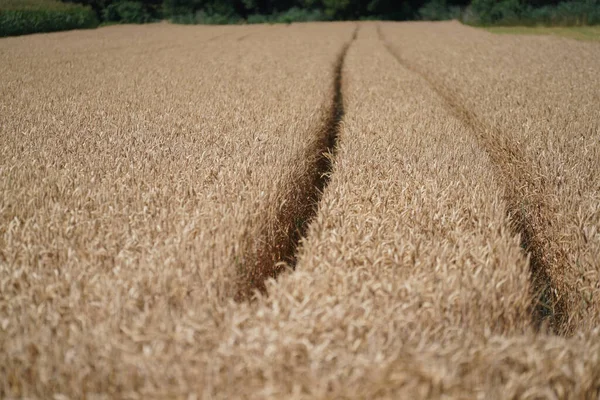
x,y
371,18
185,19
294,14
208,12
438,10
128,12
259,19
214,18
203,18
492,12
207,18
34,17
573,13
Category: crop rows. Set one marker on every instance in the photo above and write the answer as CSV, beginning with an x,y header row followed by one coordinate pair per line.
x,y
426,196
410,282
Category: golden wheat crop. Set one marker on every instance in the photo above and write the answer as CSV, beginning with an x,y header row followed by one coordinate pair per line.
x,y
153,177
410,283
144,170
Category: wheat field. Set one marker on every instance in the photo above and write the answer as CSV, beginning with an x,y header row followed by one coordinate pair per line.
x,y
320,210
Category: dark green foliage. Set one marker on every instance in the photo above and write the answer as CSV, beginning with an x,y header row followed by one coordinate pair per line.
x,y
109,10
201,12
583,12
294,14
15,21
259,19
479,12
287,17
287,11
439,10
516,12
129,12
204,11
489,12
215,18
27,16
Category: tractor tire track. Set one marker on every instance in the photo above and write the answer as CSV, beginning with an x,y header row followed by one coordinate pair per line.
x,y
526,205
278,245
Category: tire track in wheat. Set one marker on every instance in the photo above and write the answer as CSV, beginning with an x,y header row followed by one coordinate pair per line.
x,y
528,213
279,245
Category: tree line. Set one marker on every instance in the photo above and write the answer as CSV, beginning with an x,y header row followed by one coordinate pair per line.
x,y
28,16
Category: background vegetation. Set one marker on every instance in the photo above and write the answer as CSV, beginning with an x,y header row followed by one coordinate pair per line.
x,y
475,12
536,12
19,17
27,16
